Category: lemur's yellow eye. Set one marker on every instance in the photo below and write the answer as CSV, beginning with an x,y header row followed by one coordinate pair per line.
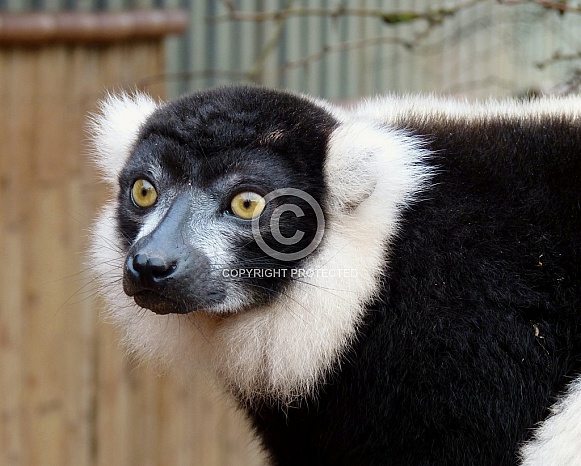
x,y
247,205
143,193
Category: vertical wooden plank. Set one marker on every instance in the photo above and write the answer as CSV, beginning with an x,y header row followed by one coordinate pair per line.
x,y
153,65
79,318
45,359
113,399
16,147
50,158
11,448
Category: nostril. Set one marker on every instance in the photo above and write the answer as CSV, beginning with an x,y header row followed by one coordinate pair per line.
x,y
152,269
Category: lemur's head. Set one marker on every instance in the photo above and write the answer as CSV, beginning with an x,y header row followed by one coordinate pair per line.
x,y
257,219
206,189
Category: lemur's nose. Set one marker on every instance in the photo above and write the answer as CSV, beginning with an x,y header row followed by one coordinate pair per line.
x,y
150,270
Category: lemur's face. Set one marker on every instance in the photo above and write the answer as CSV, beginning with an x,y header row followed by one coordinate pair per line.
x,y
222,200
219,199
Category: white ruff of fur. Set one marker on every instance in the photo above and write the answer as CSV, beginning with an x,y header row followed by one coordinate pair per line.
x,y
113,130
557,442
282,351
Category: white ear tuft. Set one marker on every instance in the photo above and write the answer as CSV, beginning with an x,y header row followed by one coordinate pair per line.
x,y
361,153
351,165
114,129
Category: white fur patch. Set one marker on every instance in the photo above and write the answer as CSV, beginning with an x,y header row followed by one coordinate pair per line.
x,y
557,442
114,130
389,109
284,350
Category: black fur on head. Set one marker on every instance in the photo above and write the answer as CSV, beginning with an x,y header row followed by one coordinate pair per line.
x,y
202,150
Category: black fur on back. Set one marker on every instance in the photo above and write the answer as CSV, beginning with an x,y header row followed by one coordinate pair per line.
x,y
477,327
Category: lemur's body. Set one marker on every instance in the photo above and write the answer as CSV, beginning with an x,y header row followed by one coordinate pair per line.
x,y
457,325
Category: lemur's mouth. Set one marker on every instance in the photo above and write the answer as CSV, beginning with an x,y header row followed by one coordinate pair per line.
x,y
159,304
162,304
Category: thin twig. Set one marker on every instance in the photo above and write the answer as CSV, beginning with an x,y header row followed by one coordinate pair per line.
x,y
563,7
558,57
389,17
342,46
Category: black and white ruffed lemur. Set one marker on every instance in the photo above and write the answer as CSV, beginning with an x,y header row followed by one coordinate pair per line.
x,y
395,284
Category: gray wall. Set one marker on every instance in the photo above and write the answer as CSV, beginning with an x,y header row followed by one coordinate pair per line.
x,y
486,49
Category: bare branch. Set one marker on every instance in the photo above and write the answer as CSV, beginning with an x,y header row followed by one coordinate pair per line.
x,y
389,17
341,46
560,6
558,57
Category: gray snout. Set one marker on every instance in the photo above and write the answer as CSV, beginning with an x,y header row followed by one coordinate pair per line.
x,y
166,274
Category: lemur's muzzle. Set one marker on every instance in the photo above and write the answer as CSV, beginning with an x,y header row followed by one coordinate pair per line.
x,y
165,273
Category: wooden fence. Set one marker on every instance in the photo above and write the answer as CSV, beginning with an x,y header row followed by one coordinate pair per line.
x,y
68,396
